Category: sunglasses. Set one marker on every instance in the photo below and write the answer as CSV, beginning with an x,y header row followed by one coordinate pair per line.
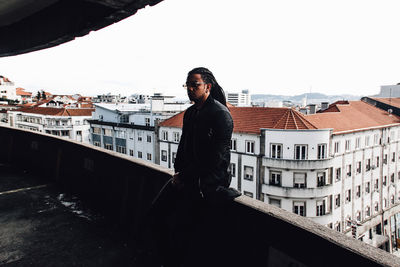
x,y
192,84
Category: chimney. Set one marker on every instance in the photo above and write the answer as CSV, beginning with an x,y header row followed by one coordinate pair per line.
x,y
324,105
313,108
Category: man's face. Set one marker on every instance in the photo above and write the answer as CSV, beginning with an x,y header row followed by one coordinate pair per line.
x,y
197,90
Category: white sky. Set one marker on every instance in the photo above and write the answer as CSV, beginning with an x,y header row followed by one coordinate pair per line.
x,y
267,46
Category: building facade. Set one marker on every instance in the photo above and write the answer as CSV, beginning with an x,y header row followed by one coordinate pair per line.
x,y
68,123
339,167
131,128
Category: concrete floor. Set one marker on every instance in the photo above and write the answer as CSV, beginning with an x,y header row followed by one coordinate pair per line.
x,y
40,226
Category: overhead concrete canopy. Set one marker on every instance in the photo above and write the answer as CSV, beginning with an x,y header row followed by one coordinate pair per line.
x,y
30,25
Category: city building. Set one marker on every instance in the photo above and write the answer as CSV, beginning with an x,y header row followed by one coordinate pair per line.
x,y
389,91
8,89
22,96
242,99
70,123
131,128
339,167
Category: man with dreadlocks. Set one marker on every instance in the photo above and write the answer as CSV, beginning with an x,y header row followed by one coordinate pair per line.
x,y
201,179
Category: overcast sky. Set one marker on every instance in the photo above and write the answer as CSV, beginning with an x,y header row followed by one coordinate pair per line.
x,y
272,47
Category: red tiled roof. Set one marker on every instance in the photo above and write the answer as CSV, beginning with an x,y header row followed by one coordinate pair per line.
x,y
21,91
252,119
394,101
57,111
353,116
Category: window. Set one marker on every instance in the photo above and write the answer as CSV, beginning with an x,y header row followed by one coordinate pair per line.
x,y
108,146
358,141
232,169
348,196
347,145
233,144
139,136
384,180
338,174
164,135
120,149
376,185
359,167
107,132
320,207
377,161
376,139
367,187
299,180
300,152
148,138
248,173
337,226
250,147
275,202
392,178
358,216
321,179
131,152
276,151
148,156
367,141
79,133
321,151
348,170
299,208
249,194
368,165
358,191
96,130
139,154
177,137
394,157
392,199
367,211
163,155
337,201
376,207
120,134
173,157
124,118
147,121
337,147
275,178
96,143
64,133
385,159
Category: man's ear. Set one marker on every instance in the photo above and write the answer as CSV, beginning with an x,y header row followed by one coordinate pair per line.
x,y
209,87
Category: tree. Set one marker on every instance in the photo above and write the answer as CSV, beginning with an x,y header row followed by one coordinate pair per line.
x,y
38,95
43,95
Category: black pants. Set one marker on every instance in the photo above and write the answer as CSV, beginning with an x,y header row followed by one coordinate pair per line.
x,y
190,230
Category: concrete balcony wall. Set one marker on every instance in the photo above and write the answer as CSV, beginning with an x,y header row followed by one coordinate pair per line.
x,y
122,188
291,192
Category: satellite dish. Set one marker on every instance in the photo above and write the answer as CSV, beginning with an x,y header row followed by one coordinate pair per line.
x,y
390,111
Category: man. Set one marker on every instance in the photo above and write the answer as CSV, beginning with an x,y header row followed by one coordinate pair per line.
x,y
203,154
201,180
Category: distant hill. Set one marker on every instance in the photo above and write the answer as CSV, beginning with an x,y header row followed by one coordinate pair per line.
x,y
311,98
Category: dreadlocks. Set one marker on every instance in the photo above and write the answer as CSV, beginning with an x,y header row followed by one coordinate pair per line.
x,y
216,91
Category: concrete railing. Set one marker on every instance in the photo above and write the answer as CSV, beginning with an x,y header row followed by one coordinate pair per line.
x,y
122,188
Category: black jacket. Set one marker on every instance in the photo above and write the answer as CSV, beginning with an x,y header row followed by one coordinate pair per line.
x,y
203,154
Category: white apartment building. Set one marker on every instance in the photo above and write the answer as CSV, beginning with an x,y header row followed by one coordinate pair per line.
x,y
338,167
242,99
68,123
131,128
8,90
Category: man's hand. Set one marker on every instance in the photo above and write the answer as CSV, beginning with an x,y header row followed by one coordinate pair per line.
x,y
176,181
